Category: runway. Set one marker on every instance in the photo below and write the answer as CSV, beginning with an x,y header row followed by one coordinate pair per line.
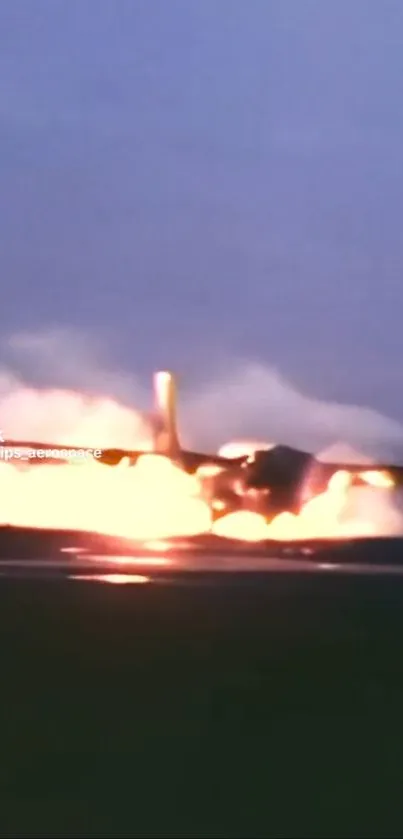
x,y
208,569
233,696
75,555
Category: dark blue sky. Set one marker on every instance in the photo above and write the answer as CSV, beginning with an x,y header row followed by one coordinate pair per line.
x,y
194,180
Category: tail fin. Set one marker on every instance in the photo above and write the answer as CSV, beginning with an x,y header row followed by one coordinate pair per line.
x,y
166,439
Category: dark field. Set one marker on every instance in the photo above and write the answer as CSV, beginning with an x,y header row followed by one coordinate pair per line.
x,y
265,705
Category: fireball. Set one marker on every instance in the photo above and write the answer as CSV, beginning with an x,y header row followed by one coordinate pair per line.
x,y
152,497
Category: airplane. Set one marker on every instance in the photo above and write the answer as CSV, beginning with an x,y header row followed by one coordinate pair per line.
x,y
273,480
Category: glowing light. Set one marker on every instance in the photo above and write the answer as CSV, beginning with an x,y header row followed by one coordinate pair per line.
x,y
129,560
158,545
218,504
72,550
249,527
241,448
114,579
328,566
375,478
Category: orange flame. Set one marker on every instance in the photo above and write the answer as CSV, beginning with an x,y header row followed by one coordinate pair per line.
x,y
379,479
153,500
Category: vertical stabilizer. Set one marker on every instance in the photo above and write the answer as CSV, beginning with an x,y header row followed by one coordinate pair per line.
x,y
165,431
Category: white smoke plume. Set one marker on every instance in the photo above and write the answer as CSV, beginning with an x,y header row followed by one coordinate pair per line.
x,y
54,387
257,401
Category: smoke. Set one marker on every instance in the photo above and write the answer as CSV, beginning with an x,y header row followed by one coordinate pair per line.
x,y
80,404
67,359
256,401
91,403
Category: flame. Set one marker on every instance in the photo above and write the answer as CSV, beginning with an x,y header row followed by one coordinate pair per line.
x,y
155,499
379,479
245,525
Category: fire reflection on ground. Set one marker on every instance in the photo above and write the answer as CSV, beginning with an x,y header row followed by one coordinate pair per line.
x,y
114,579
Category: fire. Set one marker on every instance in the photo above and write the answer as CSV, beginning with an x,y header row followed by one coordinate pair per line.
x,y
155,500
152,500
381,480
